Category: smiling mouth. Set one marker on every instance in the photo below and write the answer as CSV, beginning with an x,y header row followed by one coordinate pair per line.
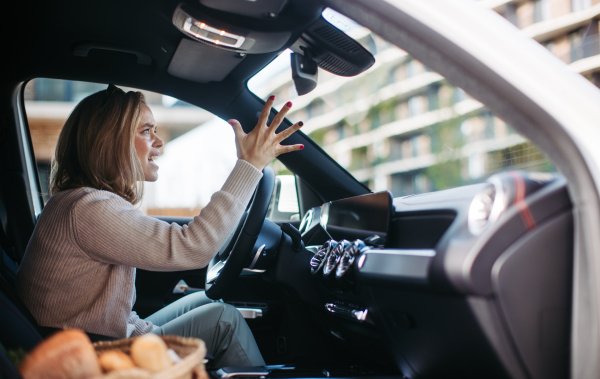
x,y
151,161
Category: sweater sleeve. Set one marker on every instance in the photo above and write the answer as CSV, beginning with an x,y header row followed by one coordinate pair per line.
x,y
109,229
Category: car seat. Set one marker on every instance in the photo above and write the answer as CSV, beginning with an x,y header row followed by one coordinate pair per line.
x,y
18,327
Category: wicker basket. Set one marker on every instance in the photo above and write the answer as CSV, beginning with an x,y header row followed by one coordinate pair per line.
x,y
191,350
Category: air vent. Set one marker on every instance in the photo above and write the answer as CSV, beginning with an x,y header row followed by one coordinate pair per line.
x,y
336,66
337,38
318,260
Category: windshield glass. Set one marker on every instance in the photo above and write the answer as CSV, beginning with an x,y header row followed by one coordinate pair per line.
x,y
399,126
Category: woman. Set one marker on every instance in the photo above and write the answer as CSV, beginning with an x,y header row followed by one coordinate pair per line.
x,y
79,266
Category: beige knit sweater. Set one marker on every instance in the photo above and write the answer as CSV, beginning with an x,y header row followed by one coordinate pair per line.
x,y
79,266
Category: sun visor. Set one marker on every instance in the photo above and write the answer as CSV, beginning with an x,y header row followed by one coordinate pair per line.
x,y
202,63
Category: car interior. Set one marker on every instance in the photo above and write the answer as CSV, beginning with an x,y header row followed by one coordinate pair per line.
x,y
469,282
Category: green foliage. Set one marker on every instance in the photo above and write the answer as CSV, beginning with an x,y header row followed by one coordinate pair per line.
x,y
359,158
319,136
445,175
446,136
384,108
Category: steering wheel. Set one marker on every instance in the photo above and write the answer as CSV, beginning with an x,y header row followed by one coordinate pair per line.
x,y
221,274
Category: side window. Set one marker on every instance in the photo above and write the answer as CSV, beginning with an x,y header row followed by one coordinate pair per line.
x,y
284,202
48,104
399,126
198,155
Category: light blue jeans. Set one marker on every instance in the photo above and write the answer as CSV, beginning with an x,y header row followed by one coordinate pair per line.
x,y
222,327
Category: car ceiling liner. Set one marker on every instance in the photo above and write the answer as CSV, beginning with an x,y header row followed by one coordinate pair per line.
x,y
214,47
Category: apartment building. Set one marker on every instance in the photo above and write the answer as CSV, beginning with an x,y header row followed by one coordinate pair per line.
x,y
568,28
401,127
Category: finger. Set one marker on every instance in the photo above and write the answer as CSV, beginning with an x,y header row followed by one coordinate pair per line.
x,y
281,115
289,131
282,149
266,111
237,127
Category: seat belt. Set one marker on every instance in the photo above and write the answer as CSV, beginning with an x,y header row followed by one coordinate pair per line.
x,y
8,249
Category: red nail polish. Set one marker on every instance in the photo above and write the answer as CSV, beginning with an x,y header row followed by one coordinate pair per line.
x,y
301,147
289,104
272,97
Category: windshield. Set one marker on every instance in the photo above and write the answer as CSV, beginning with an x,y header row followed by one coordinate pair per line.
x,y
399,126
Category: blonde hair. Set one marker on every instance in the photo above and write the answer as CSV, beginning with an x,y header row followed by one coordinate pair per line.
x,y
96,147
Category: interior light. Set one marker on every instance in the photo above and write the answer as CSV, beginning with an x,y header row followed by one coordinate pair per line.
x,y
202,31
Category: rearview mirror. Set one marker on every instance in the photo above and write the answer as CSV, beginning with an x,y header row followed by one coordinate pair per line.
x,y
304,72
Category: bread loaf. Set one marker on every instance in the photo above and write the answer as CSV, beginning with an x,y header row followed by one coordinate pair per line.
x,y
150,352
68,354
114,360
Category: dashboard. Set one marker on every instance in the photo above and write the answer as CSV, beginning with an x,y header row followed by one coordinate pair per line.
x,y
473,281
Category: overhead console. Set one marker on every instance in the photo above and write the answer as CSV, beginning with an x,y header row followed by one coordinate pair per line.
x,y
221,33
214,48
206,29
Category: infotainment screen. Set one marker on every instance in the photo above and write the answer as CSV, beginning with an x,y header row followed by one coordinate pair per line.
x,y
358,217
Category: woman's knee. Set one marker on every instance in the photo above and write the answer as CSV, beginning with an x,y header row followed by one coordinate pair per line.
x,y
229,314
196,299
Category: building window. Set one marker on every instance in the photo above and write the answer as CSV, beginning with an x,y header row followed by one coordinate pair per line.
x,y
395,146
416,105
541,10
402,111
579,5
433,100
585,42
458,95
510,13
413,68
488,118
399,73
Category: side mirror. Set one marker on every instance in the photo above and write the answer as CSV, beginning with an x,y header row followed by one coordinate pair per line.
x,y
304,72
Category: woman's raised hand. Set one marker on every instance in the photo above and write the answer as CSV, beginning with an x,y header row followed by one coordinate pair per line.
x,y
262,144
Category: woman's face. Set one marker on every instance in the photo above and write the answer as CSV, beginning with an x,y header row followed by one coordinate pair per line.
x,y
147,143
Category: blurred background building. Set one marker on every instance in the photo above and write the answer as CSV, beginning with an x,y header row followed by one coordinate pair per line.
x,y
399,126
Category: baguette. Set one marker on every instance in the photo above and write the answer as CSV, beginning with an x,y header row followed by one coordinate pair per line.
x,y
150,353
68,354
114,360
